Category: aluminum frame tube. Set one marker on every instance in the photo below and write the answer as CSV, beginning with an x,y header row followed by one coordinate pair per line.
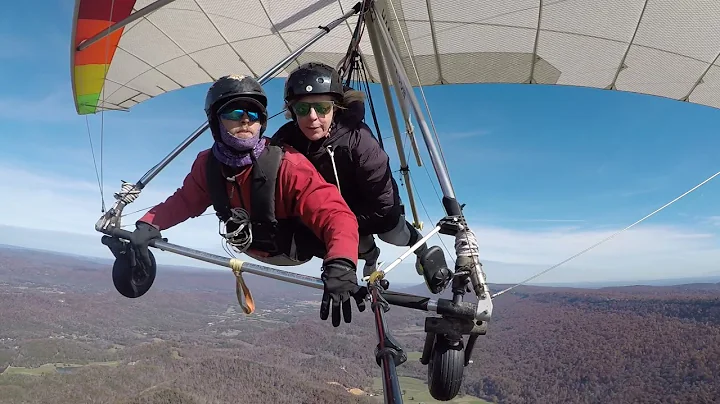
x,y
404,168
439,306
125,21
380,51
440,170
391,383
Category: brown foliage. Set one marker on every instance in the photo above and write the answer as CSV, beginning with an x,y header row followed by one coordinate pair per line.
x,y
161,396
187,342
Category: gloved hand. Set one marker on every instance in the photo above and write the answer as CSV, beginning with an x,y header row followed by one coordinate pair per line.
x,y
340,279
139,240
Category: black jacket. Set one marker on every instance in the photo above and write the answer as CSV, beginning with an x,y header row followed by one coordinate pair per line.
x,y
363,168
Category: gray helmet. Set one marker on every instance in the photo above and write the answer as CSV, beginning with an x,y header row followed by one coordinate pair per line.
x,y
313,78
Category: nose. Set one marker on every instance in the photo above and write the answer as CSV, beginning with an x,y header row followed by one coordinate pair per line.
x,y
312,114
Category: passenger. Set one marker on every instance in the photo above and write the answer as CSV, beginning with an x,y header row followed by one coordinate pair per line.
x,y
273,203
327,128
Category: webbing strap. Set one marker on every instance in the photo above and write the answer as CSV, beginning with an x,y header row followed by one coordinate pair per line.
x,y
245,298
263,180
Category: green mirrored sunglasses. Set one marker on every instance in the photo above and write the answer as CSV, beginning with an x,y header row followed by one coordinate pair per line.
x,y
321,107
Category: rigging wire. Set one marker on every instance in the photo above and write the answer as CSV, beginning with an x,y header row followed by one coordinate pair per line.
x,y
92,151
101,175
422,94
370,100
420,86
434,129
609,237
447,250
102,110
363,80
354,64
102,132
568,259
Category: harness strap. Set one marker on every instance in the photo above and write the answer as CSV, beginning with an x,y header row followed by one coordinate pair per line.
x,y
262,186
245,299
264,179
216,186
262,204
334,166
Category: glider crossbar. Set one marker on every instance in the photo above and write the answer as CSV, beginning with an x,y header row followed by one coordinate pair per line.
x,y
446,307
112,217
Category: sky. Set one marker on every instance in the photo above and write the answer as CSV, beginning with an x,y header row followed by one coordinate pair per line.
x,y
545,171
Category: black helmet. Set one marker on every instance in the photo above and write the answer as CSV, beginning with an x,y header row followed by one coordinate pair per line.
x,y
234,88
313,78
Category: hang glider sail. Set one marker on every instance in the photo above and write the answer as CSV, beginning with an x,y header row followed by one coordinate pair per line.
x,y
661,48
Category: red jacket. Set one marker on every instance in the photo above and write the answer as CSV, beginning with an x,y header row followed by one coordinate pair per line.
x,y
301,192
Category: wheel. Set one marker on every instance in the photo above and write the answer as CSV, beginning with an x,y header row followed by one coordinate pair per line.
x,y
445,370
133,282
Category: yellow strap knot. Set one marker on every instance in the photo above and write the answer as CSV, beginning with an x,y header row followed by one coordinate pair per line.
x,y
375,276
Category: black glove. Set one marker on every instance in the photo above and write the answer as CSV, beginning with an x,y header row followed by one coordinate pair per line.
x,y
340,279
139,240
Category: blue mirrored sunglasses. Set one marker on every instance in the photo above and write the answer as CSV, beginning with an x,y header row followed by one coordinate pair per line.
x,y
237,114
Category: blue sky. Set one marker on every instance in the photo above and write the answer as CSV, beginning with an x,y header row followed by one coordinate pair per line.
x,y
545,171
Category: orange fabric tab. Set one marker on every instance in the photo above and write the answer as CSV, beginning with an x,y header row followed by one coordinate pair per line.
x,y
245,298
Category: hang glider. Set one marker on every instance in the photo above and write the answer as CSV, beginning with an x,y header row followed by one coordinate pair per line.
x,y
125,52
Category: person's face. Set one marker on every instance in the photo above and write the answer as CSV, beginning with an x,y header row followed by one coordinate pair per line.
x,y
241,120
314,115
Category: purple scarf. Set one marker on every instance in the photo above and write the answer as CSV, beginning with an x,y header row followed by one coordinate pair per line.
x,y
234,152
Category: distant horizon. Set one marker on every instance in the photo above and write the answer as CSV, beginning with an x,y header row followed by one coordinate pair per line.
x,y
403,285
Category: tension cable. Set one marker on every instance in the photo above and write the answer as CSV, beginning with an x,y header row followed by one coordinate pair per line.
x,y
609,237
97,174
100,175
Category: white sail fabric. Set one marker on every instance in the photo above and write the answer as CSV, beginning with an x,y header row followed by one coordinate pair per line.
x,y
666,48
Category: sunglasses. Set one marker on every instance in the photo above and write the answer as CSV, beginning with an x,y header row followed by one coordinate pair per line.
x,y
321,107
237,114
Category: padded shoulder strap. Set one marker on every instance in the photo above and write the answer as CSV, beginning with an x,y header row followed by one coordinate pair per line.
x,y
217,186
264,180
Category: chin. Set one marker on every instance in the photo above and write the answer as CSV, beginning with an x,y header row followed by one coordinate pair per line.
x,y
314,135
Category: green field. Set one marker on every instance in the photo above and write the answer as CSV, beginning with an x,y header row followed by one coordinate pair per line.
x,y
416,391
413,356
50,368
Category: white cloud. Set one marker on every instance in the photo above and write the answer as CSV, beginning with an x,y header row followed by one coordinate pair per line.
x,y
713,220
47,202
645,252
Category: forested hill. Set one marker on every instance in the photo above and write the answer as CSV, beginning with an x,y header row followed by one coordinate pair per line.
x,y
66,336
